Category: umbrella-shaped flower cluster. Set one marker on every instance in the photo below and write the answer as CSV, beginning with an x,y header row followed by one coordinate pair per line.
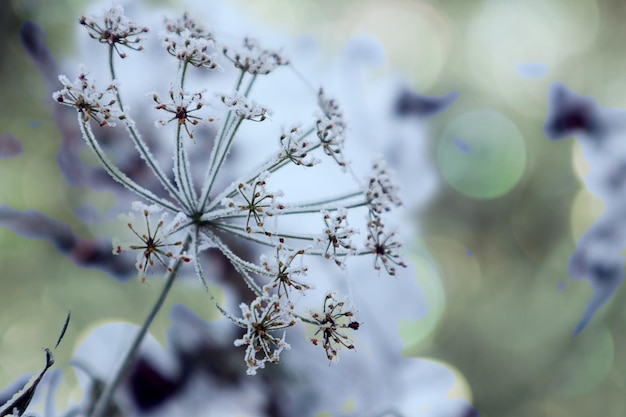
x,y
208,212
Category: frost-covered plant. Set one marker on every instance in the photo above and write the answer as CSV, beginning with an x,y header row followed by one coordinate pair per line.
x,y
206,214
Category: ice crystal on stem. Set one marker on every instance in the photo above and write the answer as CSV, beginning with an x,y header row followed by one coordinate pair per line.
x,y
207,210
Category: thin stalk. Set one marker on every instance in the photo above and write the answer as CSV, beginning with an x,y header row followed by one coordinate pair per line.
x,y
258,237
218,165
239,80
204,196
107,395
211,172
247,93
272,164
140,145
239,264
331,200
200,274
183,171
316,208
330,204
114,172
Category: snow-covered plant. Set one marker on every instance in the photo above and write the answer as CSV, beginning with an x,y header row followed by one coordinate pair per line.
x,y
210,210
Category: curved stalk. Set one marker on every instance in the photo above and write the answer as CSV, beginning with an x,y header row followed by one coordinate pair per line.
x,y
114,172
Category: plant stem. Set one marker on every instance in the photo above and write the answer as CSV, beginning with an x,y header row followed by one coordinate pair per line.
x,y
106,396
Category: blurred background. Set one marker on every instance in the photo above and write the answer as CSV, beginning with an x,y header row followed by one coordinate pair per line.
x,y
504,221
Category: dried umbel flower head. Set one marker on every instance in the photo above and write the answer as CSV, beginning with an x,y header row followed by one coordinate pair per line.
x,y
91,103
181,106
333,323
206,209
115,30
262,319
252,58
155,244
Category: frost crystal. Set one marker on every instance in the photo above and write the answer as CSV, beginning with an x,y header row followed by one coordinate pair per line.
x,y
331,128
385,249
335,319
254,59
335,239
261,318
297,148
244,108
382,193
154,243
181,106
197,51
90,102
285,275
185,23
115,29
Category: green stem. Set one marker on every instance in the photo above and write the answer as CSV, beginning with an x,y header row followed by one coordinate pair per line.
x,y
107,395
239,80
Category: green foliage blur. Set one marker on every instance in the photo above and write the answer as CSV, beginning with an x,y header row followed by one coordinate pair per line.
x,y
494,243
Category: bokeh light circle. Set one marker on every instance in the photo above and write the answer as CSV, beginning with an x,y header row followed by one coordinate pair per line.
x,y
533,32
482,154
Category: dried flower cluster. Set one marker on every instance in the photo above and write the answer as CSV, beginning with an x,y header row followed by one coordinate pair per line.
x,y
249,208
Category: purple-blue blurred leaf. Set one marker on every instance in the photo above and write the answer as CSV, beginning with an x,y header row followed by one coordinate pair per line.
x,y
83,252
33,40
32,36
570,113
410,103
10,146
598,257
604,279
